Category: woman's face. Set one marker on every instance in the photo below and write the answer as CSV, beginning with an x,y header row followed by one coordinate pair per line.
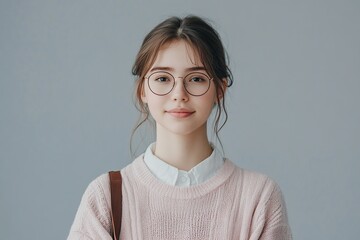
x,y
179,112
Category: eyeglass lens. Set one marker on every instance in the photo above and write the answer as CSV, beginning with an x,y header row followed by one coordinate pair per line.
x,y
195,83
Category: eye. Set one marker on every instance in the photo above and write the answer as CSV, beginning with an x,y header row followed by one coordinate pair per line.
x,y
196,79
162,79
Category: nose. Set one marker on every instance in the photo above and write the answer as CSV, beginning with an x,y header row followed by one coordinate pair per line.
x,y
179,93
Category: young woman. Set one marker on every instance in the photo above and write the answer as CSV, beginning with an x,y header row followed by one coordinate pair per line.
x,y
182,187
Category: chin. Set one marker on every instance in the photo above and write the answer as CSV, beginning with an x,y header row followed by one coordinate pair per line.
x,y
185,130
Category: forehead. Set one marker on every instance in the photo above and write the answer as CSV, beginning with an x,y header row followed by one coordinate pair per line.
x,y
177,54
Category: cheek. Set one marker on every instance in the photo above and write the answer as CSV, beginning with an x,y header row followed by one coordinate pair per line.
x,y
207,104
155,104
211,96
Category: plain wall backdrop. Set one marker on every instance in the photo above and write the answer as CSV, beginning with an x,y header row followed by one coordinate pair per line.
x,y
66,106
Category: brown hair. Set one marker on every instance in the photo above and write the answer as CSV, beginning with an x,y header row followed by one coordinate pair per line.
x,y
204,39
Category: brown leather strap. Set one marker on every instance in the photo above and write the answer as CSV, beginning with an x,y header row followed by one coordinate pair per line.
x,y
116,202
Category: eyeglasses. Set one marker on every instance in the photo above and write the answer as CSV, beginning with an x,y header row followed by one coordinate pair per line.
x,y
162,83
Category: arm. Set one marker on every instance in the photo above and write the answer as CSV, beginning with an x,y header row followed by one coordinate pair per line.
x,y
272,222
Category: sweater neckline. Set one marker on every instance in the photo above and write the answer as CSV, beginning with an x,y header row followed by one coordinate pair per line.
x,y
172,175
145,177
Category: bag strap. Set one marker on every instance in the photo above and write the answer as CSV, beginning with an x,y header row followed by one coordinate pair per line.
x,y
116,202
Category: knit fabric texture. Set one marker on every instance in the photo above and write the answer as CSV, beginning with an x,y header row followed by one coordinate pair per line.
x,y
233,204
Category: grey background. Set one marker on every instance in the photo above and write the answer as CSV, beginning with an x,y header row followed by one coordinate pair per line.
x,y
66,109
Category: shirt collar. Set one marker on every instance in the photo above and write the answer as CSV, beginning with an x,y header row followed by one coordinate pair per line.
x,y
173,176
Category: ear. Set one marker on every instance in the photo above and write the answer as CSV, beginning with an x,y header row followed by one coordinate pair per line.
x,y
221,94
143,95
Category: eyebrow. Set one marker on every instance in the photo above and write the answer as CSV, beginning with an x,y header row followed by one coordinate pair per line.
x,y
172,69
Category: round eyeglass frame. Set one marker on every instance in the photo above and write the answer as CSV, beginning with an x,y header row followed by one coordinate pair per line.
x,y
184,84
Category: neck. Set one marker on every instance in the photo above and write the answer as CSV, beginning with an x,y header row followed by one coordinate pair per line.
x,y
182,151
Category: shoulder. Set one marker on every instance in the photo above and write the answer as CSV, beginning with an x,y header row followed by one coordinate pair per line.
x,y
93,217
256,184
97,194
265,199
252,177
270,215
99,186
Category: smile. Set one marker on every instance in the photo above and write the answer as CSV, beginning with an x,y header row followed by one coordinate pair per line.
x,y
180,113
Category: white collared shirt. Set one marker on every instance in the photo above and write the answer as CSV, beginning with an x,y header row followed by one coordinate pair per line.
x,y
175,177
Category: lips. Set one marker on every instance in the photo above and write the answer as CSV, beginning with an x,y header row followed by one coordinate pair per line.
x,y
180,112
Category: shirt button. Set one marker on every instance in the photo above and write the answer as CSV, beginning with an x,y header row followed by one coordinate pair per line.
x,y
183,179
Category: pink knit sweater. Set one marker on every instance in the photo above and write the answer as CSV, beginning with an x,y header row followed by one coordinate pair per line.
x,y
233,204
